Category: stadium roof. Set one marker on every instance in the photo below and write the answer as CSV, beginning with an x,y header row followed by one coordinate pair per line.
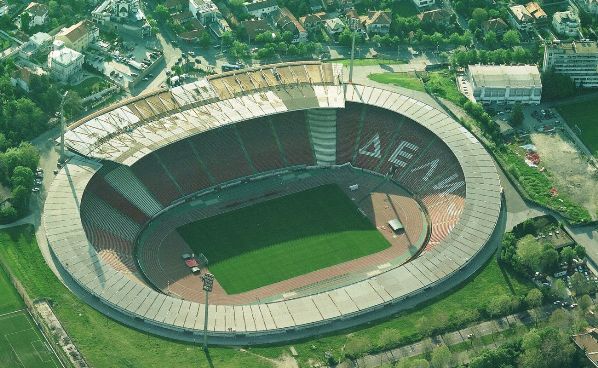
x,y
226,99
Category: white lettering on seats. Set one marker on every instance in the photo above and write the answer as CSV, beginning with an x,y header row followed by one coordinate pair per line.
x,y
450,187
372,147
433,164
401,152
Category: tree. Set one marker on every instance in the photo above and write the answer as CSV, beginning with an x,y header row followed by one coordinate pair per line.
x,y
204,40
585,303
580,251
529,251
567,255
511,38
517,115
501,305
22,176
227,39
20,198
490,39
549,262
533,299
73,105
559,289
480,15
442,357
161,13
546,348
580,285
25,22
556,86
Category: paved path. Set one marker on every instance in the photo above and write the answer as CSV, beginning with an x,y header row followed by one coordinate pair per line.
x,y
452,338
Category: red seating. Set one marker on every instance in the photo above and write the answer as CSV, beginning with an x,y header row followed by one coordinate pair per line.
x,y
259,141
222,153
180,161
347,128
151,173
291,129
112,197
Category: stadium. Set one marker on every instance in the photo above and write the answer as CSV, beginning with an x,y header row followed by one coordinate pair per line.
x,y
316,203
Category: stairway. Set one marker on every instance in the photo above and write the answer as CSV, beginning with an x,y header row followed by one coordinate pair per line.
x,y
322,131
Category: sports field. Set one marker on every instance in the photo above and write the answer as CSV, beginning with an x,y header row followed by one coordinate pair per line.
x,y
289,236
583,116
22,345
9,299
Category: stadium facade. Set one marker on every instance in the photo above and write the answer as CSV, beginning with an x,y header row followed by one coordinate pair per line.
x,y
319,121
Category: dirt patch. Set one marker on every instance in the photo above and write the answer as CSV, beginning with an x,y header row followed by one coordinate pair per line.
x,y
571,172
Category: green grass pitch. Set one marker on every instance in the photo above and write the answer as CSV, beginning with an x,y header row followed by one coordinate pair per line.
x,y
10,300
289,236
583,115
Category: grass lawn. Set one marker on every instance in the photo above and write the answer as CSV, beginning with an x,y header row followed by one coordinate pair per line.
x,y
404,80
443,84
583,115
106,343
90,86
10,300
22,345
282,238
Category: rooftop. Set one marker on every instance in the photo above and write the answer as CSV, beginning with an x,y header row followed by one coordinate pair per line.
x,y
77,30
62,54
36,9
586,47
505,75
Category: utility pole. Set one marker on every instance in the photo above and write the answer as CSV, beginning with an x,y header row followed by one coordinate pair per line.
x,y
352,57
208,282
62,127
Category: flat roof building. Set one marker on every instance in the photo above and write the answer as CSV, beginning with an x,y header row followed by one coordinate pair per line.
x,y
577,59
502,84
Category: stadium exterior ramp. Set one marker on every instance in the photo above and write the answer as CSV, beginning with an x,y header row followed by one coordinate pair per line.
x,y
126,132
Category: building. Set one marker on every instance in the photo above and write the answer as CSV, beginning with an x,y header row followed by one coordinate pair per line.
x,y
423,3
312,22
204,10
123,16
521,18
334,26
588,343
219,26
22,76
176,5
38,14
4,8
436,16
64,63
254,27
38,43
261,8
287,22
377,22
577,59
537,12
353,20
504,84
79,36
496,25
566,23
590,6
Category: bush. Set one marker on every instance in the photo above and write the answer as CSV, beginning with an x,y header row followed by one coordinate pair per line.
x,y
357,346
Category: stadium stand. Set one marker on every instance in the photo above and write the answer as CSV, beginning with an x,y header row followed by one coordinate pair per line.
x,y
93,223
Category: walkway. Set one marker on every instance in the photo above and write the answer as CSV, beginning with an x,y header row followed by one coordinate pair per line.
x,y
453,338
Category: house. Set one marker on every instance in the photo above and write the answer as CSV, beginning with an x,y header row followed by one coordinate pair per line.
x,y
334,26
588,343
174,6
182,17
287,22
353,20
22,76
260,8
503,84
252,28
64,63
3,8
79,36
316,5
38,43
521,18
423,3
496,25
38,14
377,22
590,6
566,23
537,12
312,22
204,10
436,16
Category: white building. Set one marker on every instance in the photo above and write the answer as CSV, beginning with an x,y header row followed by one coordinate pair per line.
x,y
261,8
423,3
79,36
566,23
39,42
38,14
503,84
204,10
334,26
3,8
578,60
521,18
63,62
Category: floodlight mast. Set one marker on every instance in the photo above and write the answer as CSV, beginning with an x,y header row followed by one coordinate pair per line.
x,y
208,282
62,127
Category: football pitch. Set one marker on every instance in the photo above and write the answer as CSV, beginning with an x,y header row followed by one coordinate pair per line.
x,y
582,117
282,238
